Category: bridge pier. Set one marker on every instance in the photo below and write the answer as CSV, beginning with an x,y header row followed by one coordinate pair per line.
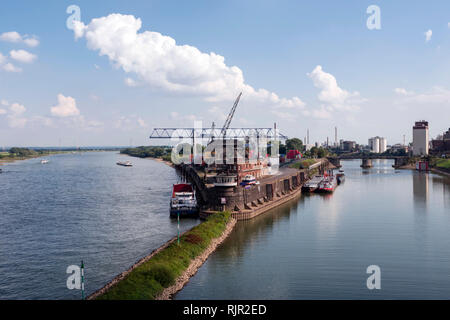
x,y
366,163
335,162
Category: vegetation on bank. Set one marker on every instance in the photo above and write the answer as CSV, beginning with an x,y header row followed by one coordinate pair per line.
x,y
302,164
23,153
162,152
443,163
149,279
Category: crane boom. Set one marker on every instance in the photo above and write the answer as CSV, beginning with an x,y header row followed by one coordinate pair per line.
x,y
230,116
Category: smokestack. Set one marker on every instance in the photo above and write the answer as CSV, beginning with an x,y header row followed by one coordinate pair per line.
x,y
307,135
335,136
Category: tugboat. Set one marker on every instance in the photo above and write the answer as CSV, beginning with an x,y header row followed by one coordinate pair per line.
x,y
313,184
340,176
125,163
248,180
183,201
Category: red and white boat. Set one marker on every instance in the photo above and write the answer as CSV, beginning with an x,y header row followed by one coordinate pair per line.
x,y
183,201
328,184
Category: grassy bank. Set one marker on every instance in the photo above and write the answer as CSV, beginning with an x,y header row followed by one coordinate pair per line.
x,y
303,164
149,279
443,164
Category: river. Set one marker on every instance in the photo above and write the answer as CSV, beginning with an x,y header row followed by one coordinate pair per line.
x,y
79,207
319,246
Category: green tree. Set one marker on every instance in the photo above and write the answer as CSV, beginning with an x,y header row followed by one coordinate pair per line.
x,y
294,144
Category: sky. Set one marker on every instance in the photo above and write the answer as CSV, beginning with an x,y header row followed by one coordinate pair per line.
x,y
126,67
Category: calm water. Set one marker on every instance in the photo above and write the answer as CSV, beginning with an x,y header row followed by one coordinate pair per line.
x,y
320,246
79,207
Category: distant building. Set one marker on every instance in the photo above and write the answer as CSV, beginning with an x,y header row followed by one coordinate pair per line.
x,y
348,145
420,138
383,144
374,144
447,135
377,144
399,148
442,143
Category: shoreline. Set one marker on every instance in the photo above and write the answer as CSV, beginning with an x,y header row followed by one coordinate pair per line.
x,y
125,273
181,280
168,163
195,264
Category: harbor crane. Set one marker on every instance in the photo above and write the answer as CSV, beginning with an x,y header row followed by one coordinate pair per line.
x,y
210,133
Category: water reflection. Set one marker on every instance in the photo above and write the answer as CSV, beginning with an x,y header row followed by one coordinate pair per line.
x,y
321,247
420,189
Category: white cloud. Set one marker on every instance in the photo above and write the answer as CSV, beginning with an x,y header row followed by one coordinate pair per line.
x,y
15,37
66,107
131,122
428,35
22,56
403,92
159,62
131,82
331,94
11,36
3,102
9,67
2,58
217,113
448,25
17,122
32,42
436,96
14,114
17,109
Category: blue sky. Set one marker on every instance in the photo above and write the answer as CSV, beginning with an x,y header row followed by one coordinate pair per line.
x,y
324,65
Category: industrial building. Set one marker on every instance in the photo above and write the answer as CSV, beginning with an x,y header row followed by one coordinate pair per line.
x,y
420,138
377,144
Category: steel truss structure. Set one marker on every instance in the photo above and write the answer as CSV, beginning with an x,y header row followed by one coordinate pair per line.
x,y
211,133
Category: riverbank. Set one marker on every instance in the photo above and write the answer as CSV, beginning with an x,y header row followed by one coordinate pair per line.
x,y
167,269
13,159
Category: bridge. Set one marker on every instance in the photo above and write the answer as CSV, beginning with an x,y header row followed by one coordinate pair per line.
x,y
366,159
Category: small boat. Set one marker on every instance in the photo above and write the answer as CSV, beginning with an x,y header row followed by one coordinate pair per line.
x,y
340,176
328,184
248,180
183,201
44,161
125,163
312,184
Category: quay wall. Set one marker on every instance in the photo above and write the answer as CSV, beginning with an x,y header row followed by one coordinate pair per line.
x,y
272,191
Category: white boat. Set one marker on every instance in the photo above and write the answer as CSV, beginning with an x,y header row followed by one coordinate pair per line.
x,y
125,163
248,180
183,202
44,161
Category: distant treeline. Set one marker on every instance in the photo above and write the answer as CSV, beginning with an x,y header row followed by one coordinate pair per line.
x,y
21,153
162,152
